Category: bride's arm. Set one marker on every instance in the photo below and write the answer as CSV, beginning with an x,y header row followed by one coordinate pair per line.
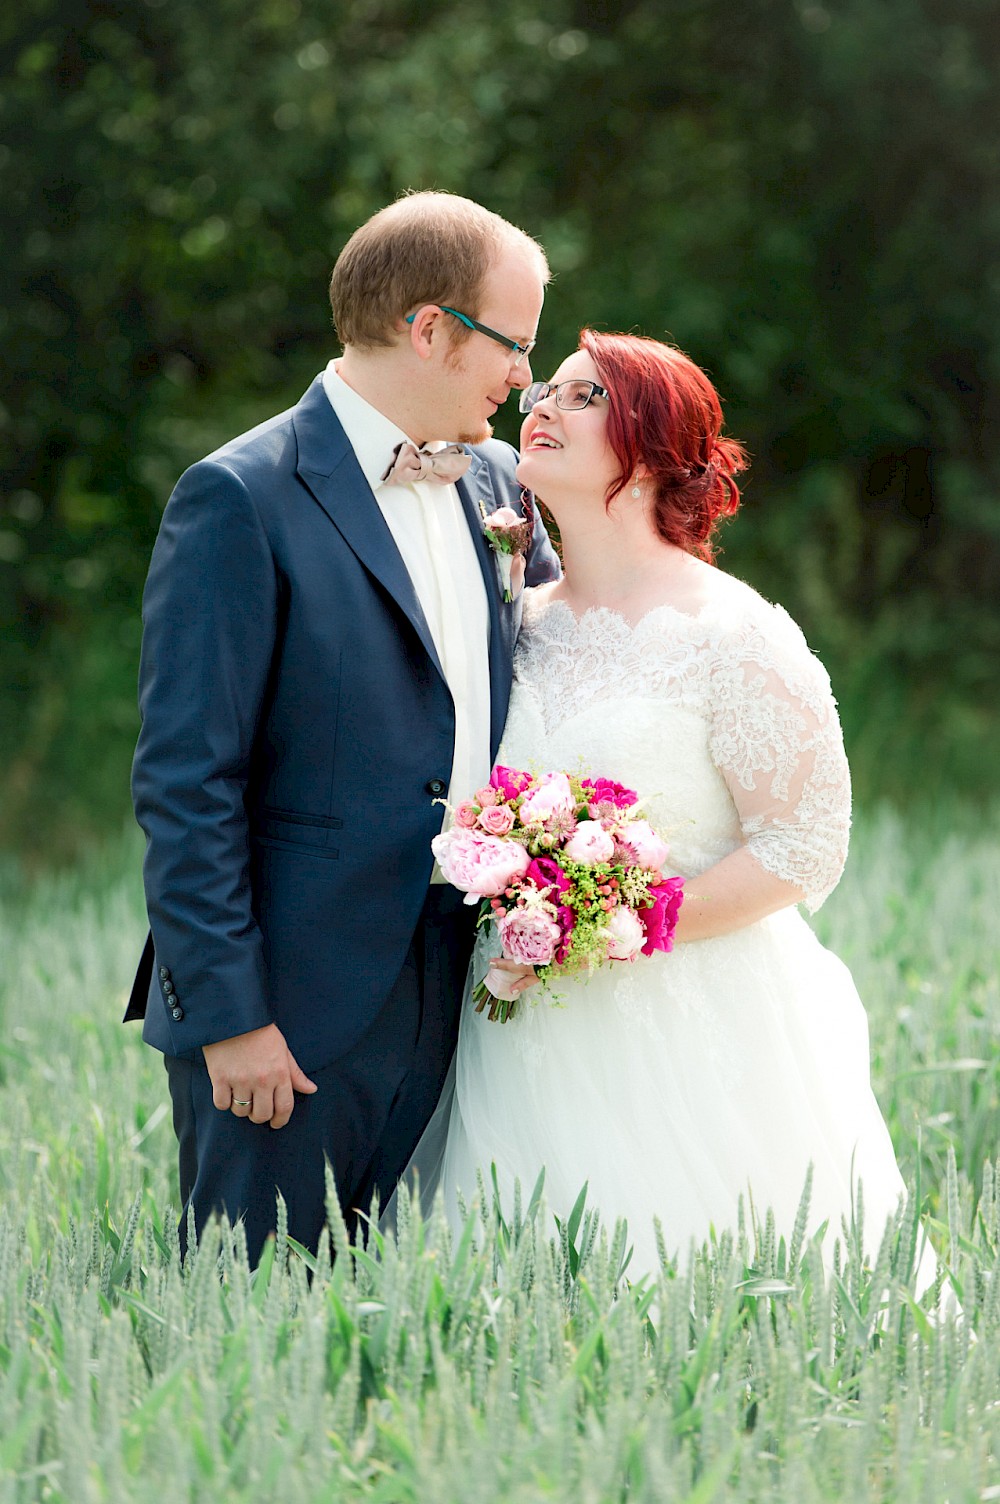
x,y
735,892
777,742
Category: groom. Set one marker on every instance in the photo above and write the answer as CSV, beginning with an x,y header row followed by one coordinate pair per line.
x,y
326,656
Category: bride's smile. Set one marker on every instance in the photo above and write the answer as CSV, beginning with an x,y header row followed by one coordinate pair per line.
x,y
564,449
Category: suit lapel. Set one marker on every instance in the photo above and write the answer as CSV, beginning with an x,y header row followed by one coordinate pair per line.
x,y
328,466
477,495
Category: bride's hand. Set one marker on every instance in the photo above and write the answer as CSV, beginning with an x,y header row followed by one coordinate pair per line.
x,y
508,979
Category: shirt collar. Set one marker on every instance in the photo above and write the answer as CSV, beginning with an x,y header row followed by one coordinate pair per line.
x,y
373,437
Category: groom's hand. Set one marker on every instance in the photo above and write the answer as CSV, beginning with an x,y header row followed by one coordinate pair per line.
x,y
256,1076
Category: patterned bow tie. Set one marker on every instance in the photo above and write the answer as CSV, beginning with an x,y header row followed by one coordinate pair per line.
x,y
411,464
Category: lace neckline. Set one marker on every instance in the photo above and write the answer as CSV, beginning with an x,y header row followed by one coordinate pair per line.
x,y
555,604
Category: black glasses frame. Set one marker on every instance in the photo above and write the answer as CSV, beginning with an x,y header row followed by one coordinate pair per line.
x,y
538,391
518,350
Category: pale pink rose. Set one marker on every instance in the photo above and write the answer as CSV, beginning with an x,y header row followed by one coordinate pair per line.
x,y
529,936
553,796
497,820
590,843
466,814
487,796
626,934
503,517
478,864
650,851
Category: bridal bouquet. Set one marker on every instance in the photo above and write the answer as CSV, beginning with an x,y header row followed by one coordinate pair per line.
x,y
566,870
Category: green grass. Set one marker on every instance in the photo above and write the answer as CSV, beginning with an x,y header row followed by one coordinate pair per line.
x,y
514,1363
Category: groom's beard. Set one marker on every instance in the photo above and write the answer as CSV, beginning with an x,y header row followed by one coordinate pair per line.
x,y
479,437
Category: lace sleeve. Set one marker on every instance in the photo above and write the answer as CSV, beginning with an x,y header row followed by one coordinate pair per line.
x,y
776,740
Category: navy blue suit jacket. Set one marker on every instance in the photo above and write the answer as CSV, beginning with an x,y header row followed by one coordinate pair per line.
x,y
296,730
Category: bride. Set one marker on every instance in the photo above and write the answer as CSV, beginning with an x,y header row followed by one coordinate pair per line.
x,y
681,1082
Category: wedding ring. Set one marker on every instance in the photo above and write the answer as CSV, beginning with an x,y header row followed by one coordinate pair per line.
x,y
238,1102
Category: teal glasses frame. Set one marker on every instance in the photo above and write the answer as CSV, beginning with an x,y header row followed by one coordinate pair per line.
x,y
518,351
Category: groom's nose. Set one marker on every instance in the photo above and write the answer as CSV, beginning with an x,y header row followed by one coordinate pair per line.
x,y
520,375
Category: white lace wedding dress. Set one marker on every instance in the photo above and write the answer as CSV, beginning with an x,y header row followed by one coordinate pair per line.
x,y
676,1084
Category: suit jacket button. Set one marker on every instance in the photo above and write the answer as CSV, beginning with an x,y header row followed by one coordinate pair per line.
x,y
177,1012
164,974
436,786
168,989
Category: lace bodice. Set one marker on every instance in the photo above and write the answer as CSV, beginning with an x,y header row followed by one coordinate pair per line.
x,y
724,722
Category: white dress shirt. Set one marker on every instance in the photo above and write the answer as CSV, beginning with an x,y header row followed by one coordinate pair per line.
x,y
429,526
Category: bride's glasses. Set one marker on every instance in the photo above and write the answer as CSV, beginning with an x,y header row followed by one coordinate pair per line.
x,y
569,395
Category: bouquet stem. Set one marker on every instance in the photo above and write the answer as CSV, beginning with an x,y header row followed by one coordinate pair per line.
x,y
500,1008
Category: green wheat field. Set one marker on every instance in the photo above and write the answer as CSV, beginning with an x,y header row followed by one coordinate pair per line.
x,y
517,1362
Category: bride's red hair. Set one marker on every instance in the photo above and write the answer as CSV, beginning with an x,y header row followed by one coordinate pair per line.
x,y
664,413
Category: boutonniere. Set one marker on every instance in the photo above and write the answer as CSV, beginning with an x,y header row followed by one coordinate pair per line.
x,y
509,536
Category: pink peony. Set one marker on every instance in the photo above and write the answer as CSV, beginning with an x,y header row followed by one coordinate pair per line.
x,y
546,873
509,781
626,934
466,814
590,843
480,865
497,820
648,848
529,935
551,795
660,919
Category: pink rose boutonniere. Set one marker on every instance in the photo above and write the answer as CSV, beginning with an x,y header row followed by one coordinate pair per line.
x,y
509,536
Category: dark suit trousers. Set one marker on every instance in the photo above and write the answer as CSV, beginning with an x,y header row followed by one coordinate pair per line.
x,y
366,1117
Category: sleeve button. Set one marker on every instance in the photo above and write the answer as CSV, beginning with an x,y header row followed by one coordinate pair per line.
x,y
164,974
177,1012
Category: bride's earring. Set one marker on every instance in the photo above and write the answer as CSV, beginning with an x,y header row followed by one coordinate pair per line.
x,y
636,489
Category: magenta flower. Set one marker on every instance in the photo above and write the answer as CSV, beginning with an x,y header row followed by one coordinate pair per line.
x,y
606,791
566,920
510,781
545,872
659,920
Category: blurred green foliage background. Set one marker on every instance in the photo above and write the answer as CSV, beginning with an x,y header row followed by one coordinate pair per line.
x,y
803,195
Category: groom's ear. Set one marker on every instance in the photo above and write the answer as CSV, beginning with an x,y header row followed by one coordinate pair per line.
x,y
426,329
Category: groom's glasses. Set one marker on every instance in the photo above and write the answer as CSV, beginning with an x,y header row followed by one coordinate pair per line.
x,y
518,351
569,395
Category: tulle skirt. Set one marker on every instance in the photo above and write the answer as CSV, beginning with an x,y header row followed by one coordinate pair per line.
x,y
675,1085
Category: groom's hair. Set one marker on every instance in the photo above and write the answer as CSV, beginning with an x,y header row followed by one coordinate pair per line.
x,y
425,248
